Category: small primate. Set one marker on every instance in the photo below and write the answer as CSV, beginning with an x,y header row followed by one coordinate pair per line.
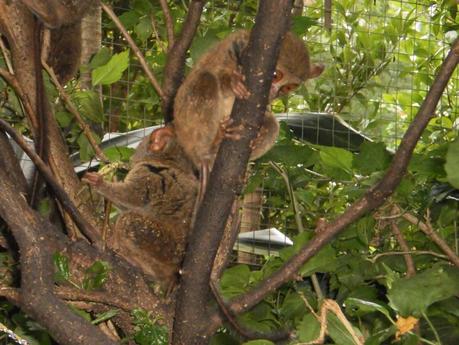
x,y
205,99
156,200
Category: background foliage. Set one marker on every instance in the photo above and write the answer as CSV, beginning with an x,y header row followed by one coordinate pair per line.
x,y
381,58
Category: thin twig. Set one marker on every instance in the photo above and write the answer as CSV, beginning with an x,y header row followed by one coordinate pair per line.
x,y
13,82
73,110
428,230
169,22
410,252
135,49
85,227
299,222
6,56
410,267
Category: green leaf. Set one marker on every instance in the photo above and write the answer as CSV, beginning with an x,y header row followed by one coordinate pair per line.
x,y
105,316
301,24
61,263
308,329
89,105
101,58
364,307
147,331
259,342
235,280
112,71
336,158
291,155
96,275
452,163
412,296
119,153
84,314
324,261
63,118
143,29
338,332
129,19
372,157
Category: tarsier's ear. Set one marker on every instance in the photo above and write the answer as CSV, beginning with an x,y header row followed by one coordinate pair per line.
x,y
160,138
316,70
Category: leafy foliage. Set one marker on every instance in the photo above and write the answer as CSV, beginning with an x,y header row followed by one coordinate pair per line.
x,y
381,58
148,331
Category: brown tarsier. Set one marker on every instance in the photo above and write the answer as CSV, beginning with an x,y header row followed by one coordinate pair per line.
x,y
157,199
205,99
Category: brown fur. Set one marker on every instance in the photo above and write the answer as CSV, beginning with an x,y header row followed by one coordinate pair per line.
x,y
206,97
157,199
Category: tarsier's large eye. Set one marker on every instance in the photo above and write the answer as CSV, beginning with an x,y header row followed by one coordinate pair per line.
x,y
278,75
287,88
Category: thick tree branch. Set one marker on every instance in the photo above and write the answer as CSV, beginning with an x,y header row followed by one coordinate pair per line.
x,y
10,164
226,179
37,298
17,24
175,65
62,196
371,200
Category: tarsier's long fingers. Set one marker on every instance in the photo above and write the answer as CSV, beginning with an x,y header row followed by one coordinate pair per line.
x,y
254,143
92,178
238,85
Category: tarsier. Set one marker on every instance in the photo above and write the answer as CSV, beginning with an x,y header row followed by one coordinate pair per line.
x,y
157,199
205,99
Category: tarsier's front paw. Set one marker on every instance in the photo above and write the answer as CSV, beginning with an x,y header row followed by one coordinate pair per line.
x,y
238,86
93,179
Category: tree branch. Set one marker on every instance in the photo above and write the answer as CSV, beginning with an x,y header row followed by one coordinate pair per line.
x,y
72,109
226,179
37,299
410,267
175,65
135,49
429,231
371,200
169,22
62,196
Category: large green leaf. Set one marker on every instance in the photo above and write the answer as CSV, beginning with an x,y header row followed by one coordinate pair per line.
x,y
235,280
337,162
372,157
452,163
112,71
412,296
308,329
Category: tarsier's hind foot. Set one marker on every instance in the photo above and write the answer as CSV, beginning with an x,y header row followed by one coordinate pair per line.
x,y
226,131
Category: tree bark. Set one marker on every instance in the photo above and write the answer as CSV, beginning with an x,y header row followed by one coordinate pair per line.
x,y
227,176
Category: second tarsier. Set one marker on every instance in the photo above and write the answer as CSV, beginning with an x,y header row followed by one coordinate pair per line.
x,y
156,200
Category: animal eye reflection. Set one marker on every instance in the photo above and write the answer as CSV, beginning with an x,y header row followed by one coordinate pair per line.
x,y
278,75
